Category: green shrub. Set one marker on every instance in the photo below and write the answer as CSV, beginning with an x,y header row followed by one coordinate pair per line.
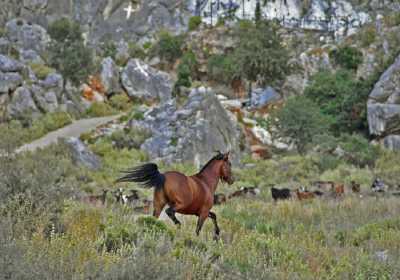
x,y
41,71
367,35
184,79
348,57
131,138
221,68
392,20
68,54
341,98
260,55
109,49
99,109
136,51
388,168
300,120
358,151
194,22
120,102
168,47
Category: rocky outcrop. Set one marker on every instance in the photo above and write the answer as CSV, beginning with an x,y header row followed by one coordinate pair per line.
x,y
144,82
384,106
22,104
27,36
193,132
82,155
110,77
338,16
101,19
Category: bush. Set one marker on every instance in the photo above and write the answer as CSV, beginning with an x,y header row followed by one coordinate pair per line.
x,y
221,68
358,151
168,47
99,109
194,22
41,71
68,54
129,139
341,98
109,49
300,120
348,57
136,51
260,55
120,102
367,35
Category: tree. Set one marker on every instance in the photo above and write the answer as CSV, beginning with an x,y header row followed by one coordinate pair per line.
x,y
257,13
342,98
68,53
260,55
299,121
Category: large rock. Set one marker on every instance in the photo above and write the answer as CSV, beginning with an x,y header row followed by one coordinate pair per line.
x,y
384,106
82,155
102,19
110,77
8,64
142,81
27,35
192,133
22,104
261,97
46,100
9,82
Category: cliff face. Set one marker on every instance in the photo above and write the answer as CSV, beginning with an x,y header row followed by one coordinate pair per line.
x,y
139,19
115,19
339,16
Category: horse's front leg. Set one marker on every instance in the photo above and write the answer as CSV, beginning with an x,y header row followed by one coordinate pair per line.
x,y
214,219
202,217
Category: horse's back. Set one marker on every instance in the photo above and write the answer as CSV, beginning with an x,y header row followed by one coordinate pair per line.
x,y
185,191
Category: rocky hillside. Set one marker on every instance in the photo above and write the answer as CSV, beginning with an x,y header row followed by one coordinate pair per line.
x,y
194,90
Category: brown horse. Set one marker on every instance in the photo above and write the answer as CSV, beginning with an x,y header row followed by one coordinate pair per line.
x,y
188,195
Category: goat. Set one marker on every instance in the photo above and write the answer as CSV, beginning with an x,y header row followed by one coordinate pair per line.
x,y
96,200
219,198
280,193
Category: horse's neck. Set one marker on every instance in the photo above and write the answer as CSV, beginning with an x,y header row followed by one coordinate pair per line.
x,y
210,176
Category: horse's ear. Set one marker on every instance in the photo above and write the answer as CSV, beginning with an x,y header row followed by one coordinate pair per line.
x,y
226,156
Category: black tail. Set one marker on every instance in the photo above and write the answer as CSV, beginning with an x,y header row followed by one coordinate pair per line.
x,y
146,175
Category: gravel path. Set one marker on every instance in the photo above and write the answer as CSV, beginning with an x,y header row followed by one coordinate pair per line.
x,y
76,129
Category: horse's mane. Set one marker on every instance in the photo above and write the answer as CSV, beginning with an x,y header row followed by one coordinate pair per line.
x,y
219,156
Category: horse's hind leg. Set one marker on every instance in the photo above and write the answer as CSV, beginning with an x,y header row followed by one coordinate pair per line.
x,y
159,202
171,213
214,219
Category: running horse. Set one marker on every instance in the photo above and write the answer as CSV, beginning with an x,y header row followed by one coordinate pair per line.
x,y
188,195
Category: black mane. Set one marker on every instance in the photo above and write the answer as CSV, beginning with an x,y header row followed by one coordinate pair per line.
x,y
219,156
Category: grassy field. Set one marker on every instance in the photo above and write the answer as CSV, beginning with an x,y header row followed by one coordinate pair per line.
x,y
46,233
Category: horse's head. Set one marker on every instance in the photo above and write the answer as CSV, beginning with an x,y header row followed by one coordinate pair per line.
x,y
226,169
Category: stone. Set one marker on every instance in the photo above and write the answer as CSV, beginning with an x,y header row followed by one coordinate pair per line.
x,y
392,142
27,35
82,155
8,64
261,97
144,82
109,76
9,82
231,104
45,100
30,56
383,106
22,104
383,119
191,133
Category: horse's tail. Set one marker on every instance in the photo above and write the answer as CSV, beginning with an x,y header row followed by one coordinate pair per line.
x,y
146,175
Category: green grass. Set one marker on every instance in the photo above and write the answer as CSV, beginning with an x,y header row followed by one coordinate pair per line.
x,y
36,128
325,238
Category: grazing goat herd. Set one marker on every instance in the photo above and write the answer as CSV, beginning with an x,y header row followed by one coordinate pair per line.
x,y
320,188
132,200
